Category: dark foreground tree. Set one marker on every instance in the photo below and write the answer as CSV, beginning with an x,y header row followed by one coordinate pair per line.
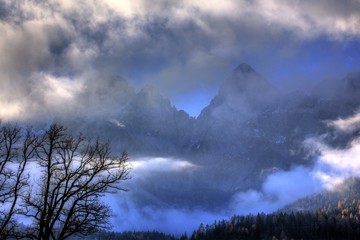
x,y
57,181
17,147
75,174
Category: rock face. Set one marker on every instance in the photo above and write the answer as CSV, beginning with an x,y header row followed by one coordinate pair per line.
x,y
156,127
243,94
144,124
248,130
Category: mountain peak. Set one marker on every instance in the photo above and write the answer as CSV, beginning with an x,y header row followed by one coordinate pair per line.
x,y
244,68
150,96
245,79
150,92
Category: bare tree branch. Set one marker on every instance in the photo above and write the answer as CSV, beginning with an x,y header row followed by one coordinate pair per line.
x,y
17,147
76,173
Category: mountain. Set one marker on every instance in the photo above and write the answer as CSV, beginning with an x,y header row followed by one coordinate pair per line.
x,y
250,128
155,125
248,131
143,123
244,92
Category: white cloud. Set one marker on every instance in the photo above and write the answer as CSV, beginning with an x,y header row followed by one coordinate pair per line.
x,y
194,38
177,221
349,124
117,123
334,166
160,164
303,17
10,110
58,90
279,189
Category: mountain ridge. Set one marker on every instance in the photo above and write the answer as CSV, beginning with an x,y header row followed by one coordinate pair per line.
x,y
236,141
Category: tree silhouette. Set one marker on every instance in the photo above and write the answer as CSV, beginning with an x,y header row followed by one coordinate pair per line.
x,y
17,147
76,173
69,177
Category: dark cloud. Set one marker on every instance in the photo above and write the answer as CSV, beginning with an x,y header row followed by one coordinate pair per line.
x,y
179,47
3,11
60,59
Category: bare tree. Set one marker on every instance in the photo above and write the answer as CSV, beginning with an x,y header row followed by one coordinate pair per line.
x,y
17,147
75,174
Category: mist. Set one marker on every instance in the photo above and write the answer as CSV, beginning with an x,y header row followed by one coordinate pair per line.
x,y
331,167
141,209
224,108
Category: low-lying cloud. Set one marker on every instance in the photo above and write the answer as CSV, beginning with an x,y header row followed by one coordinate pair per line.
x,y
177,221
133,212
331,167
335,165
131,215
57,56
278,190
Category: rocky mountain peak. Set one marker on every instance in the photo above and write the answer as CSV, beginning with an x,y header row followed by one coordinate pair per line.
x,y
244,68
149,99
149,91
242,93
245,80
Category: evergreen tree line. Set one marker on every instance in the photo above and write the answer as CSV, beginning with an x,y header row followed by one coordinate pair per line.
x,y
132,235
342,222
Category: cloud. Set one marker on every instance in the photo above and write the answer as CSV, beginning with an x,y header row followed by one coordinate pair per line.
x,y
57,89
145,165
334,166
346,125
145,206
311,19
305,17
278,190
176,221
183,45
132,213
10,110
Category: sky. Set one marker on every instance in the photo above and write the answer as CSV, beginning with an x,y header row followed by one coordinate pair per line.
x,y
53,51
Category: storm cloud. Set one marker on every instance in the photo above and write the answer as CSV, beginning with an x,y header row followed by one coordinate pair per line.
x,y
184,48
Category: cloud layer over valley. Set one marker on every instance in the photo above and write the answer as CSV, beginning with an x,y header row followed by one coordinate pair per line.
x,y
248,141
331,168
